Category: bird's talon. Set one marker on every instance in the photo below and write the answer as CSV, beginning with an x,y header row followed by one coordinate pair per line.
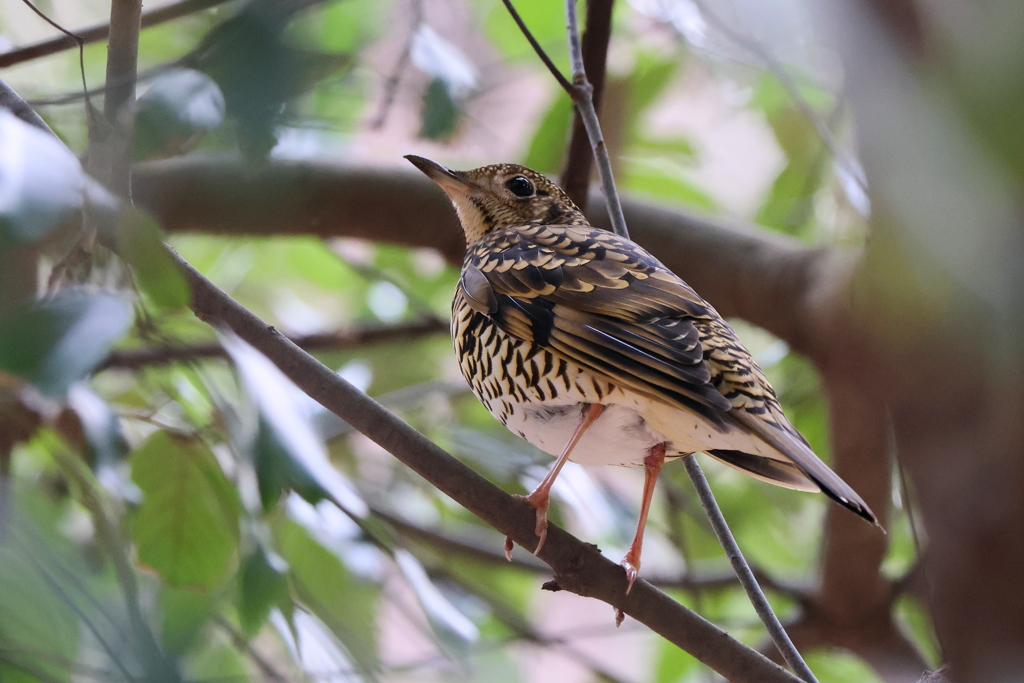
x,y
543,534
631,573
508,548
619,616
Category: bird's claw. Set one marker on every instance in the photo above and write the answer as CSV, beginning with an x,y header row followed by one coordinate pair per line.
x,y
508,548
541,528
631,573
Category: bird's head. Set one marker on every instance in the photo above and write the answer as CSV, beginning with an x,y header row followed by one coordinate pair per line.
x,y
501,196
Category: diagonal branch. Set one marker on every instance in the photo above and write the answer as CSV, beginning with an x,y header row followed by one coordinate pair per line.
x,y
578,567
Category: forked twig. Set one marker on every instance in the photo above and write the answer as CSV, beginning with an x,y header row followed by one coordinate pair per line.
x,y
744,574
581,93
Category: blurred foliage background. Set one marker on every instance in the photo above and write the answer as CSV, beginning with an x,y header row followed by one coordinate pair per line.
x,y
202,520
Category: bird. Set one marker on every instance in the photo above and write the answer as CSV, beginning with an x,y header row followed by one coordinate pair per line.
x,y
584,344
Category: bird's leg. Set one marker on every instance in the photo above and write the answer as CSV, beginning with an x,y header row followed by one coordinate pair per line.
x,y
541,496
652,468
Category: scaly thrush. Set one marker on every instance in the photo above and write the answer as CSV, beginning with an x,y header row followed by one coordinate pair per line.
x,y
585,345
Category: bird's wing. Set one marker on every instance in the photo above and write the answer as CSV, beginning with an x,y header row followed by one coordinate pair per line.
x,y
608,305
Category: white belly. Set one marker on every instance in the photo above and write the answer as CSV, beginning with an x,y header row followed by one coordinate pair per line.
x,y
626,431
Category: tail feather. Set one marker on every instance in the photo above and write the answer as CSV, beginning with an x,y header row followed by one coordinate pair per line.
x,y
792,445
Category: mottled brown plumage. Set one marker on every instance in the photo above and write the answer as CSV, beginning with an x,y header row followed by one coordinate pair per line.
x,y
573,335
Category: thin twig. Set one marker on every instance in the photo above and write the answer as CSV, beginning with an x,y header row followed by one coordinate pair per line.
x,y
581,93
122,65
98,32
742,569
580,158
583,97
394,79
75,38
162,354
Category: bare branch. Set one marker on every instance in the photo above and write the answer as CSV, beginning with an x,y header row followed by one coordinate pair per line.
x,y
578,567
742,270
98,32
133,359
580,158
122,63
732,550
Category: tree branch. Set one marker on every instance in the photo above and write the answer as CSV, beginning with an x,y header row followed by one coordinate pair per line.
x,y
578,567
98,32
742,270
162,354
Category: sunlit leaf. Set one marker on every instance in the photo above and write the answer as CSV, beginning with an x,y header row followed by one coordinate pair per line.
x,y
262,584
140,243
287,451
57,341
443,61
41,182
453,628
547,148
323,584
673,664
186,528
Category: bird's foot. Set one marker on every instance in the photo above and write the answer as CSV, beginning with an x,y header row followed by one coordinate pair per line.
x,y
508,548
539,501
632,567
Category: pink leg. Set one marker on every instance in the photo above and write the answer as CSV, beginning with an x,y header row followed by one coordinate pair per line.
x,y
652,468
541,496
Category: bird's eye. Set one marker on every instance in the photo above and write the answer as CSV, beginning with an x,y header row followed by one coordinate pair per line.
x,y
520,186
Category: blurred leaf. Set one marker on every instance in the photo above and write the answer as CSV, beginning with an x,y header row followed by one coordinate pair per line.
x,y
179,107
104,437
262,583
218,661
665,180
55,342
39,631
140,243
257,72
443,61
546,21
323,584
673,664
547,148
913,615
440,115
649,79
452,628
287,451
187,526
41,182
184,613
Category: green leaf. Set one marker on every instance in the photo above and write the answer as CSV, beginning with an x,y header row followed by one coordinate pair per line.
x,y
187,526
39,631
287,452
183,612
452,628
262,583
547,148
140,243
673,664
41,182
546,21
175,112
56,342
440,115
322,583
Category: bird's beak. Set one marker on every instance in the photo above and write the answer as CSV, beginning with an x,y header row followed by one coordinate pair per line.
x,y
452,182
